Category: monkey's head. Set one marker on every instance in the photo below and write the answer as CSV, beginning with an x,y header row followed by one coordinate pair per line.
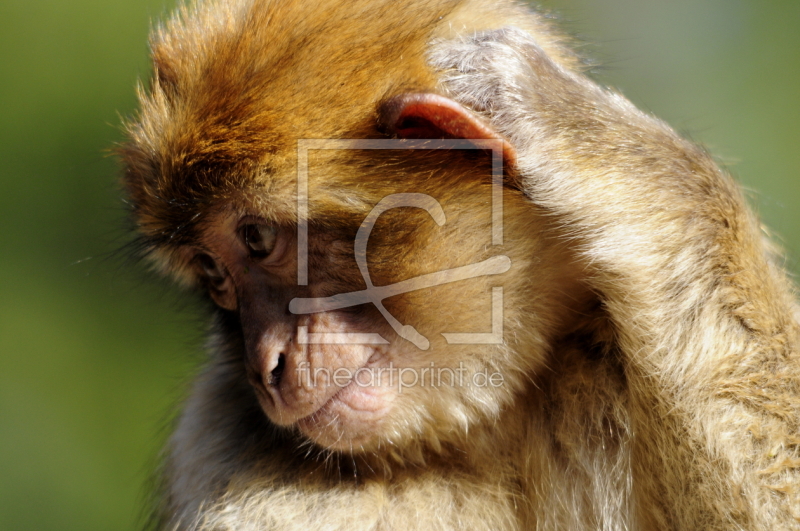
x,y
375,290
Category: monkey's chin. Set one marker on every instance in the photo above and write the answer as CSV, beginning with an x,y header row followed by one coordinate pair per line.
x,y
351,420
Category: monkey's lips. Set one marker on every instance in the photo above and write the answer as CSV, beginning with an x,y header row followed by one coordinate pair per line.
x,y
351,418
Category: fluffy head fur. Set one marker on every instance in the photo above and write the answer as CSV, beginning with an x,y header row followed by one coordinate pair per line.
x,y
237,83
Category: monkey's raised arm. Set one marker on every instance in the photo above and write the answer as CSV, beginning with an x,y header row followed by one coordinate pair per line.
x,y
704,322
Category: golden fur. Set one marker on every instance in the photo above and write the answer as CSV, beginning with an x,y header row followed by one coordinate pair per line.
x,y
651,359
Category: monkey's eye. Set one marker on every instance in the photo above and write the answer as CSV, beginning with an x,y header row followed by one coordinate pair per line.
x,y
260,240
210,270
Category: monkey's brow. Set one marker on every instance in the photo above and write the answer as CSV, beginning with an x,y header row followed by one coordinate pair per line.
x,y
495,265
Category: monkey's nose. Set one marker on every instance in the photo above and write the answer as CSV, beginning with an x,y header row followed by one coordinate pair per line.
x,y
276,374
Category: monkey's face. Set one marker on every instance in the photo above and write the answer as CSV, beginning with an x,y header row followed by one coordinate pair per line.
x,y
391,318
378,310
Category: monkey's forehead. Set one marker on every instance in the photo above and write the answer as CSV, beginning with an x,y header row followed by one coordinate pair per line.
x,y
237,83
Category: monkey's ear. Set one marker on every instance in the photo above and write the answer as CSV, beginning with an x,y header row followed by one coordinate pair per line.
x,y
435,116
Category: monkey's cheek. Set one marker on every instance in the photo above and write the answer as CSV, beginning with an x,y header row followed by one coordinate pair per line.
x,y
352,420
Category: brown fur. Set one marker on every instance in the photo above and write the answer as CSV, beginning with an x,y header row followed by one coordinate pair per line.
x,y
651,361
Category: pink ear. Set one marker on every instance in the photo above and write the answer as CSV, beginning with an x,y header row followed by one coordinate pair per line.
x,y
434,116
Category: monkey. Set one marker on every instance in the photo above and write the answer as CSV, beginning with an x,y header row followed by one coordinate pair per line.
x,y
454,283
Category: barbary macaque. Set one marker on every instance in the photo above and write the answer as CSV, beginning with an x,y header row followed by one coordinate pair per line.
x,y
455,283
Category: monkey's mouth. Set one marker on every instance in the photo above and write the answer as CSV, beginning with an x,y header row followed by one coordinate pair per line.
x,y
346,419
350,419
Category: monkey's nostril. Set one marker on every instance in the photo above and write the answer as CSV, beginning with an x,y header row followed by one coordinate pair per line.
x,y
277,372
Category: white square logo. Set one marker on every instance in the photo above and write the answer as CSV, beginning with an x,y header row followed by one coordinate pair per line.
x,y
375,295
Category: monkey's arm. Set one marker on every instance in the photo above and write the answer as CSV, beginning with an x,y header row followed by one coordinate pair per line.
x,y
704,322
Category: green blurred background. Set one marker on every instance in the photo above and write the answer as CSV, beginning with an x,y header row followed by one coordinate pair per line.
x,y
94,352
